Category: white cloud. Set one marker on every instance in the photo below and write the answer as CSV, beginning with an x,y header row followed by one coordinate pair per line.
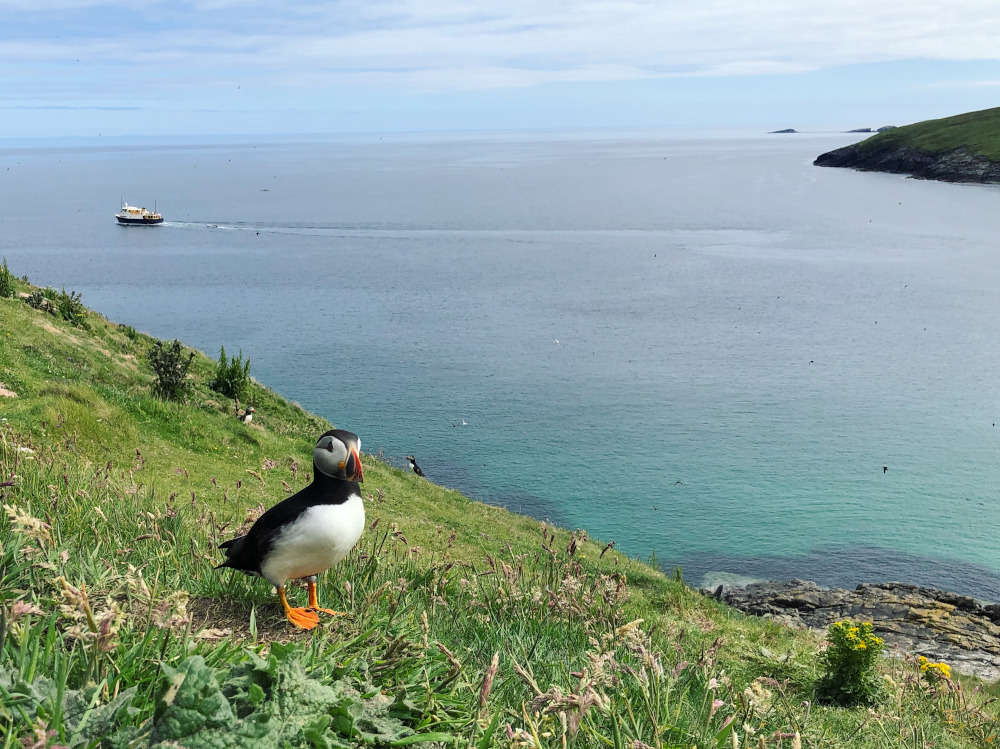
x,y
447,44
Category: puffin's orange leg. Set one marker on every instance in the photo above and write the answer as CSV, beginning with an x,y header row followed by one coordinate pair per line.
x,y
314,602
302,618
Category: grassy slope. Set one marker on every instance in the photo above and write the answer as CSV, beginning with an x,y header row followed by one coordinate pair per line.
x,y
977,132
131,484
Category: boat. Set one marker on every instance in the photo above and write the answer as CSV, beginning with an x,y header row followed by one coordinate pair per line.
x,y
133,215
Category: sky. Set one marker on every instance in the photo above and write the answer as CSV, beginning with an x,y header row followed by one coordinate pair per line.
x,y
112,68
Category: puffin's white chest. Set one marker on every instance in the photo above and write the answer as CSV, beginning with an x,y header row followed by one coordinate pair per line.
x,y
318,539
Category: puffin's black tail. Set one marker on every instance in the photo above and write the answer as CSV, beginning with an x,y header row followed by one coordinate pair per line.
x,y
232,547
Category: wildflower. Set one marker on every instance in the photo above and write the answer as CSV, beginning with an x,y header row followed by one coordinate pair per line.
x,y
22,608
171,612
758,697
137,587
627,629
28,526
491,673
102,626
716,704
43,734
934,672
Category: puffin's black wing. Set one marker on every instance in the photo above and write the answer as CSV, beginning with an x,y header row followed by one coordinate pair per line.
x,y
245,553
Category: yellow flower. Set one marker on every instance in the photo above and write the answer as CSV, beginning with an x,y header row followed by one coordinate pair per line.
x,y
862,646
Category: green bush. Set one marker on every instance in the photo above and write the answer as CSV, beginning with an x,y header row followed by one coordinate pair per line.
x,y
232,376
171,368
7,287
38,300
851,659
70,308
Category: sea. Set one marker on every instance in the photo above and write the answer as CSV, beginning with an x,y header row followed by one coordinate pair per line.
x,y
695,344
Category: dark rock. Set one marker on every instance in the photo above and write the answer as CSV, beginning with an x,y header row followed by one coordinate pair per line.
x,y
912,619
781,132
862,130
885,127
871,155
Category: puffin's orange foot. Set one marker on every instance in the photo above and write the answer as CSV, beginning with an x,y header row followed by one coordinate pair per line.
x,y
303,618
331,612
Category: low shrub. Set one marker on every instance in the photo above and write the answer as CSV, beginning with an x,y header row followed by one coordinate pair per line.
x,y
70,308
851,659
7,287
232,376
39,301
170,367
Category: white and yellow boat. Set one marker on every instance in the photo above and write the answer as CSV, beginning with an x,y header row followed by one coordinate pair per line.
x,y
135,216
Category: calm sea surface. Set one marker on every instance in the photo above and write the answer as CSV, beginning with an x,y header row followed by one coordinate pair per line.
x,y
705,349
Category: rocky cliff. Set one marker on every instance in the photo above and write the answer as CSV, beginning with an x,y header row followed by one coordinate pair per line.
x,y
958,165
956,629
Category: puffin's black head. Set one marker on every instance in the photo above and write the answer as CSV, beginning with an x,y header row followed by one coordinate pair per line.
x,y
338,454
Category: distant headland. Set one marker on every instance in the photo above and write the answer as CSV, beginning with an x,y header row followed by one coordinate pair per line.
x,y
963,148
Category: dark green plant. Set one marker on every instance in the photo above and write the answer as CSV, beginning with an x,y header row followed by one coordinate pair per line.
x,y
170,367
7,287
129,331
71,309
851,659
38,300
232,376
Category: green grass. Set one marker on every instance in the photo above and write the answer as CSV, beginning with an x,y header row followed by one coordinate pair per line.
x,y
976,132
116,630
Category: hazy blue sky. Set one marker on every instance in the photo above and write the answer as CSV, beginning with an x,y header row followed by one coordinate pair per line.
x,y
82,67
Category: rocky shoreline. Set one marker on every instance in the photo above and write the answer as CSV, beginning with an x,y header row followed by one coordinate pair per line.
x,y
956,629
953,166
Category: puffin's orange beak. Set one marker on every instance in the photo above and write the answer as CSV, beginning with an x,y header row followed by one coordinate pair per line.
x,y
354,466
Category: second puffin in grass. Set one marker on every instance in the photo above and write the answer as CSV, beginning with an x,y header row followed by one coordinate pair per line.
x,y
310,531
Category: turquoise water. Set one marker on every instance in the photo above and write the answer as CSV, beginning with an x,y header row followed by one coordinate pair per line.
x,y
704,349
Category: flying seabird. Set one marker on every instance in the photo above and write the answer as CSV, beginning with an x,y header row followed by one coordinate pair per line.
x,y
310,531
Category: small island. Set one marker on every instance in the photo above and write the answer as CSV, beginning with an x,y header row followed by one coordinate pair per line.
x,y
963,148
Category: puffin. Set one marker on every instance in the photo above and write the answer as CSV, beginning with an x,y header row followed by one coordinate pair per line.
x,y
310,531
247,416
413,465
